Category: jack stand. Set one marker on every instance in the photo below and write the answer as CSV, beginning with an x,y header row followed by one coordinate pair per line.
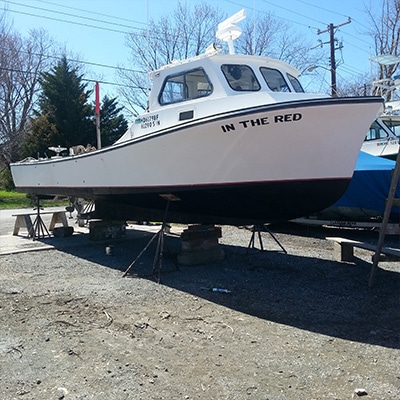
x,y
84,211
159,253
257,229
159,250
38,229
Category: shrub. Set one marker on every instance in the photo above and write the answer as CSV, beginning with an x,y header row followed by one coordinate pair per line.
x,y
6,180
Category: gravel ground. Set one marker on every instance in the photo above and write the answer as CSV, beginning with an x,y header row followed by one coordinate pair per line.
x,y
294,326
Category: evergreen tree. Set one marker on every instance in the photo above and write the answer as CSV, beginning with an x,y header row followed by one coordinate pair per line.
x,y
112,124
64,117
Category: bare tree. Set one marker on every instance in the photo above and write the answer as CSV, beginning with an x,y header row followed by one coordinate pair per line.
x,y
268,36
187,32
258,36
360,86
385,30
21,62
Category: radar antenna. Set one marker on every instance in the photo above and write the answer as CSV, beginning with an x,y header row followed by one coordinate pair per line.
x,y
228,31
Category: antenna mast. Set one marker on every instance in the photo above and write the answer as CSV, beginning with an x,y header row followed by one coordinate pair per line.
x,y
228,31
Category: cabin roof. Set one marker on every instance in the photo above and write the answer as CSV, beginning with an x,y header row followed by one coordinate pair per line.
x,y
219,59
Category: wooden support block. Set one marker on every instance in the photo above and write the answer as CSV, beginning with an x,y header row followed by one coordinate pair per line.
x,y
199,245
23,221
343,251
58,217
201,232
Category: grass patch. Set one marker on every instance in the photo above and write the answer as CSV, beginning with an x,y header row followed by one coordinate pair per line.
x,y
21,200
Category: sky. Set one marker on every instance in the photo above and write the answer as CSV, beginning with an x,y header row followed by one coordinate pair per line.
x,y
95,30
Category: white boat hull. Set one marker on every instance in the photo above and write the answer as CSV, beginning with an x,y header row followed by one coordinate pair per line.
x,y
260,164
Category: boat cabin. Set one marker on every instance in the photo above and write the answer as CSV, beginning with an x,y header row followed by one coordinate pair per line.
x,y
381,141
199,87
220,76
213,83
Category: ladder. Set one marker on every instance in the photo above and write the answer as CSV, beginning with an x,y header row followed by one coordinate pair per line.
x,y
382,231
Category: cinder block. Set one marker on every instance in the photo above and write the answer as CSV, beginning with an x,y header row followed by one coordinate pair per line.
x,y
201,257
199,244
63,231
105,230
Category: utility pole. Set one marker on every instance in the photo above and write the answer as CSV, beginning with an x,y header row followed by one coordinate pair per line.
x,y
98,134
331,29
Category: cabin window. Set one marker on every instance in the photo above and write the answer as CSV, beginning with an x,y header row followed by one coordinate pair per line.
x,y
393,125
187,85
274,79
376,132
240,77
295,84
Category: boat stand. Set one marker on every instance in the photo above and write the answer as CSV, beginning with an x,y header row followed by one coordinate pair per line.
x,y
85,213
256,229
38,229
158,256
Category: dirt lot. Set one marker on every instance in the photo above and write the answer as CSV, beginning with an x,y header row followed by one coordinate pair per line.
x,y
295,326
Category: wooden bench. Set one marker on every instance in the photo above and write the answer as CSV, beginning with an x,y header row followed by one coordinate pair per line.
x,y
25,221
344,248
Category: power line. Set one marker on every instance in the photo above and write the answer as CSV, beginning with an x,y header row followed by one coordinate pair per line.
x,y
131,27
111,83
322,8
20,71
342,15
352,71
154,34
138,22
90,12
79,24
307,17
276,16
68,22
293,12
70,15
357,38
90,63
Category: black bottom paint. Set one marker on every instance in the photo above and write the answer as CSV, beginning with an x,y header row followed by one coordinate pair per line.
x,y
227,204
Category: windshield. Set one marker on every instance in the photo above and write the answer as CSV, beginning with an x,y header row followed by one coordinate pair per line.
x,y
274,79
376,132
240,77
295,83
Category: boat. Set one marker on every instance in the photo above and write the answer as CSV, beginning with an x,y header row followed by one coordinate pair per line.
x,y
391,116
365,198
392,121
388,87
225,139
381,140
